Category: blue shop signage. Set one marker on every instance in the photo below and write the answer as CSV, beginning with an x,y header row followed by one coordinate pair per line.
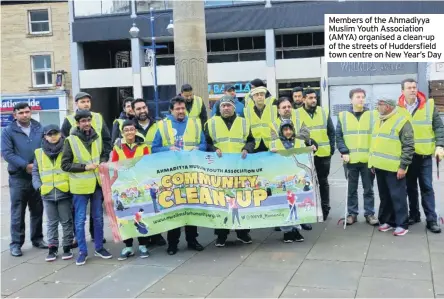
x,y
219,88
36,103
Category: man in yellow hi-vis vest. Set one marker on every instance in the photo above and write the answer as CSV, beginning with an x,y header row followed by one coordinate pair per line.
x,y
391,153
127,113
229,133
82,153
319,122
178,132
83,102
428,131
353,138
195,106
260,116
53,184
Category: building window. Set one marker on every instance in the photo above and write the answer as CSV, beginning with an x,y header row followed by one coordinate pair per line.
x,y
39,22
41,70
101,7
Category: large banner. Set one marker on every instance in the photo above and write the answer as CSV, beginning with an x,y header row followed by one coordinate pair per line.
x,y
156,193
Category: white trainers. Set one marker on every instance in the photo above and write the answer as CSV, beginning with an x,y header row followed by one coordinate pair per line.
x,y
399,231
385,227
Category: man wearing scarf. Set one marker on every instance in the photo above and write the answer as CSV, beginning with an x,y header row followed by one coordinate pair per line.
x,y
391,153
429,142
53,184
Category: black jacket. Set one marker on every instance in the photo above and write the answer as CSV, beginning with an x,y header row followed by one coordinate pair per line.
x,y
249,144
203,112
68,156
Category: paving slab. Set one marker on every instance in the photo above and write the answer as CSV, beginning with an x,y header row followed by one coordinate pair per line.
x,y
249,282
274,260
328,274
385,246
397,269
25,274
125,282
309,292
360,228
42,289
160,295
437,260
186,285
340,248
436,246
159,257
372,287
86,274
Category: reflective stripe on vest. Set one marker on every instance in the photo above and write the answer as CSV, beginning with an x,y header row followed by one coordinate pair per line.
x,y
96,122
196,107
250,102
260,127
276,124
51,175
358,134
149,137
318,129
191,136
138,153
84,182
385,152
422,122
120,121
232,140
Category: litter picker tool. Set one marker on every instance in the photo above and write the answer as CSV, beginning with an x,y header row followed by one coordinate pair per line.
x,y
440,219
344,219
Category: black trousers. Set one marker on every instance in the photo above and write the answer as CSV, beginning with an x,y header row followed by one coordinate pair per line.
x,y
393,208
322,165
173,235
223,233
142,241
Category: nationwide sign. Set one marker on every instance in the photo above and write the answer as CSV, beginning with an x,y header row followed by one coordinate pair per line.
x,y
36,103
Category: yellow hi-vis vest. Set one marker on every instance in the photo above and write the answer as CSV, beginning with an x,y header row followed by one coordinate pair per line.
x,y
51,175
277,144
250,102
191,137
424,135
228,141
260,127
196,107
318,129
385,150
149,137
96,122
84,182
275,125
120,121
358,134
138,153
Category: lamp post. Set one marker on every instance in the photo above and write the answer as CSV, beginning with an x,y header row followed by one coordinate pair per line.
x,y
134,32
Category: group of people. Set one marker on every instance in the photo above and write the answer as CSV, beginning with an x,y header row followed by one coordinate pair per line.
x,y
58,168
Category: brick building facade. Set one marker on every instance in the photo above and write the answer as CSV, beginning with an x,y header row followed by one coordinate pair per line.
x,y
35,46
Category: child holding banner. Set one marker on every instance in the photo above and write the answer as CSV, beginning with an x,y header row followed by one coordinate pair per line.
x,y
131,146
287,139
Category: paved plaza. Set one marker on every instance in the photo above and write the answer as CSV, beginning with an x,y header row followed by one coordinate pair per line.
x,y
332,262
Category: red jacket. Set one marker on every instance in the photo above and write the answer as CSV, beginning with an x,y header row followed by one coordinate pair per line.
x,y
421,98
129,153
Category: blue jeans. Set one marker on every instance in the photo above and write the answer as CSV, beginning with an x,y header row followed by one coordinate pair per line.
x,y
23,194
421,170
367,179
80,204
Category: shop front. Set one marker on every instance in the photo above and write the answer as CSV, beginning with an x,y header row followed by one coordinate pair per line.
x,y
46,108
217,90
379,80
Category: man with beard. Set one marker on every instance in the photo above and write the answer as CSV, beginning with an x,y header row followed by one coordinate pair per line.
x,y
319,122
19,141
229,133
195,106
127,113
82,153
178,132
83,102
146,129
298,97
248,99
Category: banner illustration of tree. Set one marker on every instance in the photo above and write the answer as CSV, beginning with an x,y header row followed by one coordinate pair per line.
x,y
156,193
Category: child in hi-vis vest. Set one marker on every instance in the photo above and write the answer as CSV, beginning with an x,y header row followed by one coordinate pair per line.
x,y
127,147
53,184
